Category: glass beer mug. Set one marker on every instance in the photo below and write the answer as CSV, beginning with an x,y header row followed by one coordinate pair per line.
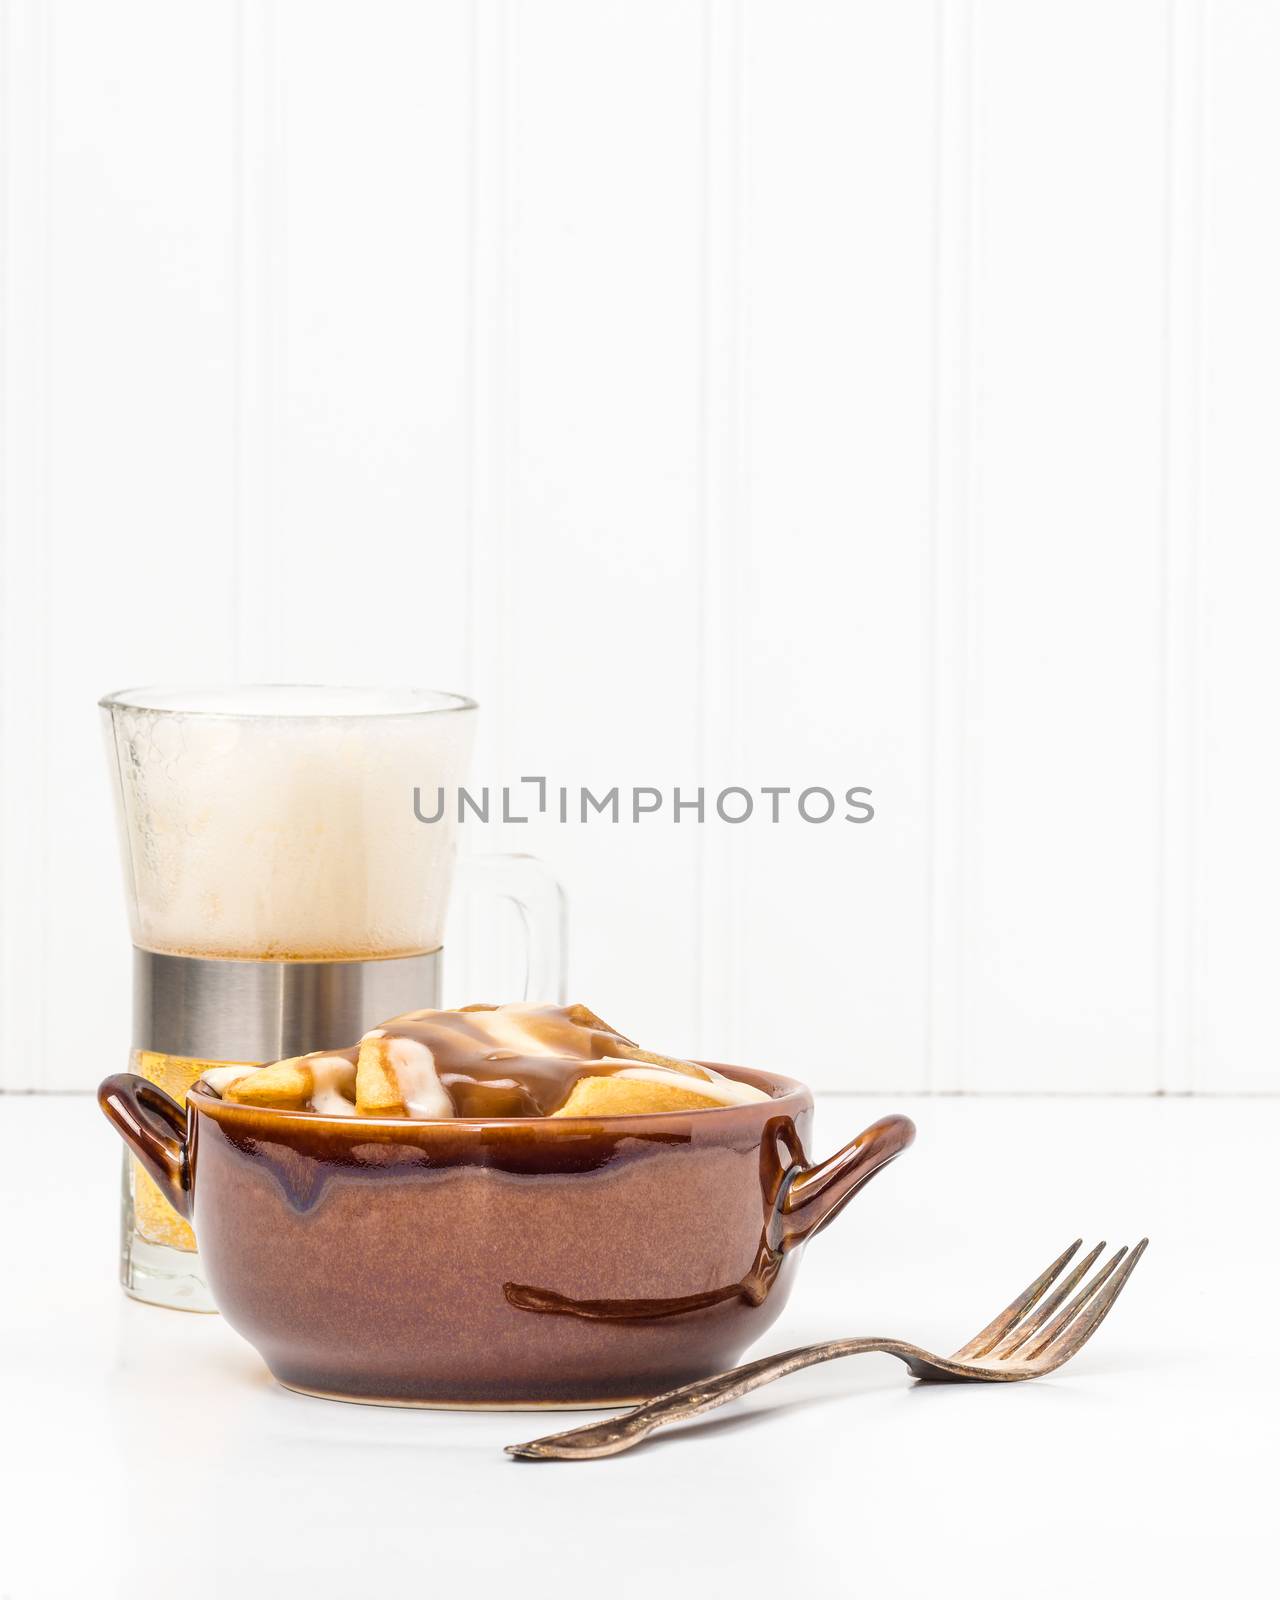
x,y
284,895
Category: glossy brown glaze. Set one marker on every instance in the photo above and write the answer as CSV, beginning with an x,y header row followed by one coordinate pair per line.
x,y
486,1076
501,1262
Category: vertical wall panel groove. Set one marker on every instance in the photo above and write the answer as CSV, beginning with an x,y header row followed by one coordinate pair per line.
x,y
1065,555
257,279
600,559
724,524
490,347
356,220
1183,445
952,421
839,294
481,948
970,1062
1237,569
24,577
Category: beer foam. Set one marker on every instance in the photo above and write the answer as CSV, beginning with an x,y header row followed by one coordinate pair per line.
x,y
287,833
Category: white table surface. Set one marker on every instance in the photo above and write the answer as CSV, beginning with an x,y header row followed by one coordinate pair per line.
x,y
140,1443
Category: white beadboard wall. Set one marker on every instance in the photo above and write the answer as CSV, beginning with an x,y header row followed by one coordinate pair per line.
x,y
744,391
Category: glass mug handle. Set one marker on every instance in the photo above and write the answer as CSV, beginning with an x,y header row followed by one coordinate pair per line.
x,y
528,884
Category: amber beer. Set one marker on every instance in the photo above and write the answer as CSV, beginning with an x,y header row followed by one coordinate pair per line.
x,y
154,1219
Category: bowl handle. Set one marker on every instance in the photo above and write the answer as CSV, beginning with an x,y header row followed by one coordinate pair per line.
x,y
815,1195
154,1126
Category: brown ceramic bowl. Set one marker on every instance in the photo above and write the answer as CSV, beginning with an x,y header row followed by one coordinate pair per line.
x,y
512,1262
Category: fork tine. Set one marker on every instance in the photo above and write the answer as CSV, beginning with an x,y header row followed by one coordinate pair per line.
x,y
1039,1315
1083,1329
1064,1318
995,1331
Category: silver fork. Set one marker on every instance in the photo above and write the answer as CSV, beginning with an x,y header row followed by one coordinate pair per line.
x,y
1029,1338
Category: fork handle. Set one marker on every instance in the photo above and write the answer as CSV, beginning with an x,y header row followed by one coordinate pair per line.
x,y
620,1433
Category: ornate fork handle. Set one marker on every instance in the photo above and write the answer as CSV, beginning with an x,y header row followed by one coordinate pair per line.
x,y
693,1399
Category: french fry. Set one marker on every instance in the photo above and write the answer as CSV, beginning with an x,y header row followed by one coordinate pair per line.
x,y
633,1052
286,1085
221,1078
584,1017
378,1092
624,1097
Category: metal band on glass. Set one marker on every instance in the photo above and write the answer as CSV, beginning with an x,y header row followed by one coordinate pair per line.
x,y
214,1010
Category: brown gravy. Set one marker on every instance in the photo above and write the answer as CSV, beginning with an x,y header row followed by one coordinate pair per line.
x,y
519,1061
